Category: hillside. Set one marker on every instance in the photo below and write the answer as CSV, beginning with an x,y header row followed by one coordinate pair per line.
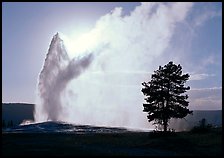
x,y
17,112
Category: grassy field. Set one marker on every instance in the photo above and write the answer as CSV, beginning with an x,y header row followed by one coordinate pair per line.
x,y
119,144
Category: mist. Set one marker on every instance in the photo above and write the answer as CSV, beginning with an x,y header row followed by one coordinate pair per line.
x,y
58,70
104,87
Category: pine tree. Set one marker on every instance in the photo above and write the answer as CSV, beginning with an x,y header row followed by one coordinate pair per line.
x,y
11,123
3,124
163,95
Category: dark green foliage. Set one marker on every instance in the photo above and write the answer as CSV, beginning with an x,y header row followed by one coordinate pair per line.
x,y
164,95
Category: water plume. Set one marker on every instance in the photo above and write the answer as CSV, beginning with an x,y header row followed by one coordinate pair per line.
x,y
57,71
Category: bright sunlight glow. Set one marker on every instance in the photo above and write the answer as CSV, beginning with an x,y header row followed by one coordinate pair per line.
x,y
76,45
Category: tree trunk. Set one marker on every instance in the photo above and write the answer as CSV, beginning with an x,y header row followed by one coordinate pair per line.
x,y
165,126
167,107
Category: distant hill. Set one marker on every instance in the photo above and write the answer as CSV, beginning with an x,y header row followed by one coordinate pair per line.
x,y
17,112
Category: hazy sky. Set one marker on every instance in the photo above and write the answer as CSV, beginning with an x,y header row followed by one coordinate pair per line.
x,y
195,42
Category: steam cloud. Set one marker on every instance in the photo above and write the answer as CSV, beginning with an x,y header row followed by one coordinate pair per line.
x,y
109,92
58,70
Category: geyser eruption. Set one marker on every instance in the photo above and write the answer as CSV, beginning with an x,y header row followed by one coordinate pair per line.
x,y
126,49
57,71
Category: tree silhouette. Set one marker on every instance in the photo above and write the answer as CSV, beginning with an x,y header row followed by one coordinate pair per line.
x,y
10,123
3,124
163,95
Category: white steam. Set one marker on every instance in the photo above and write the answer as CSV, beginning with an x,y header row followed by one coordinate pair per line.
x,y
109,92
58,70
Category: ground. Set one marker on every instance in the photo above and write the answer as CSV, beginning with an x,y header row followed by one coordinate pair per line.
x,y
113,144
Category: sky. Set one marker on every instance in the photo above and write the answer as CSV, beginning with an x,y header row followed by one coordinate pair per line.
x,y
188,34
